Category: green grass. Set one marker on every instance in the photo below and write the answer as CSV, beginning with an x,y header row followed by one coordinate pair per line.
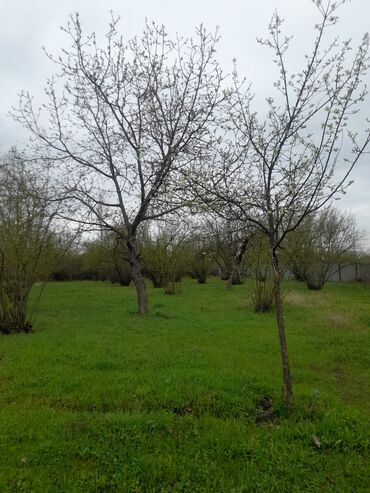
x,y
99,400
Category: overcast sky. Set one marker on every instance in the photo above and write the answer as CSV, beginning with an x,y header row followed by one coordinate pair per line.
x,y
28,25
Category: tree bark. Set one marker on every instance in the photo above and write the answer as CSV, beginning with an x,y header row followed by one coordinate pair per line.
x,y
142,299
287,380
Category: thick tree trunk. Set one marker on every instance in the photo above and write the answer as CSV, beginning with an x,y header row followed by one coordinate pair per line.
x,y
142,299
287,380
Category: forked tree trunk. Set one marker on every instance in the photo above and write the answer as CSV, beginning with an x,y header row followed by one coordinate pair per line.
x,y
137,277
287,380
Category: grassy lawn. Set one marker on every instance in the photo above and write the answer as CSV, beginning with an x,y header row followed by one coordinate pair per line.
x,y
98,400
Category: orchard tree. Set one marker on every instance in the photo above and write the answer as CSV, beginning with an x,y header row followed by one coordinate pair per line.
x,y
121,121
276,169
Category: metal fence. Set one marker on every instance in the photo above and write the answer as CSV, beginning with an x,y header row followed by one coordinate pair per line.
x,y
344,273
337,273
350,272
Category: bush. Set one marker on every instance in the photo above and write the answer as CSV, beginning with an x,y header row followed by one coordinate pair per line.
x,y
165,258
263,294
25,240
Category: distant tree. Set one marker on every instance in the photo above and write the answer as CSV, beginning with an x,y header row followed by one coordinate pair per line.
x,y
122,121
121,269
321,242
201,258
277,169
262,295
96,259
68,267
165,256
26,240
229,242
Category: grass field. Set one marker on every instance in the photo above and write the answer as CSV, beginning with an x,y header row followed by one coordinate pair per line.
x,y
98,400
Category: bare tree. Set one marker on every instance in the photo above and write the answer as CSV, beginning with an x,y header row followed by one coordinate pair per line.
x,y
279,168
122,121
321,242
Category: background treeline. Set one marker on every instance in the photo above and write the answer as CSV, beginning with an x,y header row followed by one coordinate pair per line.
x,y
169,253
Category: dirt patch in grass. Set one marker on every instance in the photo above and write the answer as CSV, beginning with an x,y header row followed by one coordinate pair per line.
x,y
336,320
307,299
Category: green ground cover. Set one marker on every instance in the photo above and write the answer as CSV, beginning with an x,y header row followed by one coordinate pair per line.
x,y
99,400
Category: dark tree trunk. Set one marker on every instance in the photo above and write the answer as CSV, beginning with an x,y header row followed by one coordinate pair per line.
x,y
224,275
230,281
235,275
287,380
142,299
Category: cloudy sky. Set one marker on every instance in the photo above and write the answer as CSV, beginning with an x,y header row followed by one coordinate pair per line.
x,y
28,25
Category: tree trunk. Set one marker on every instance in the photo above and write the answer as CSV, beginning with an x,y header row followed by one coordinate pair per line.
x,y
142,299
236,277
230,281
287,380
